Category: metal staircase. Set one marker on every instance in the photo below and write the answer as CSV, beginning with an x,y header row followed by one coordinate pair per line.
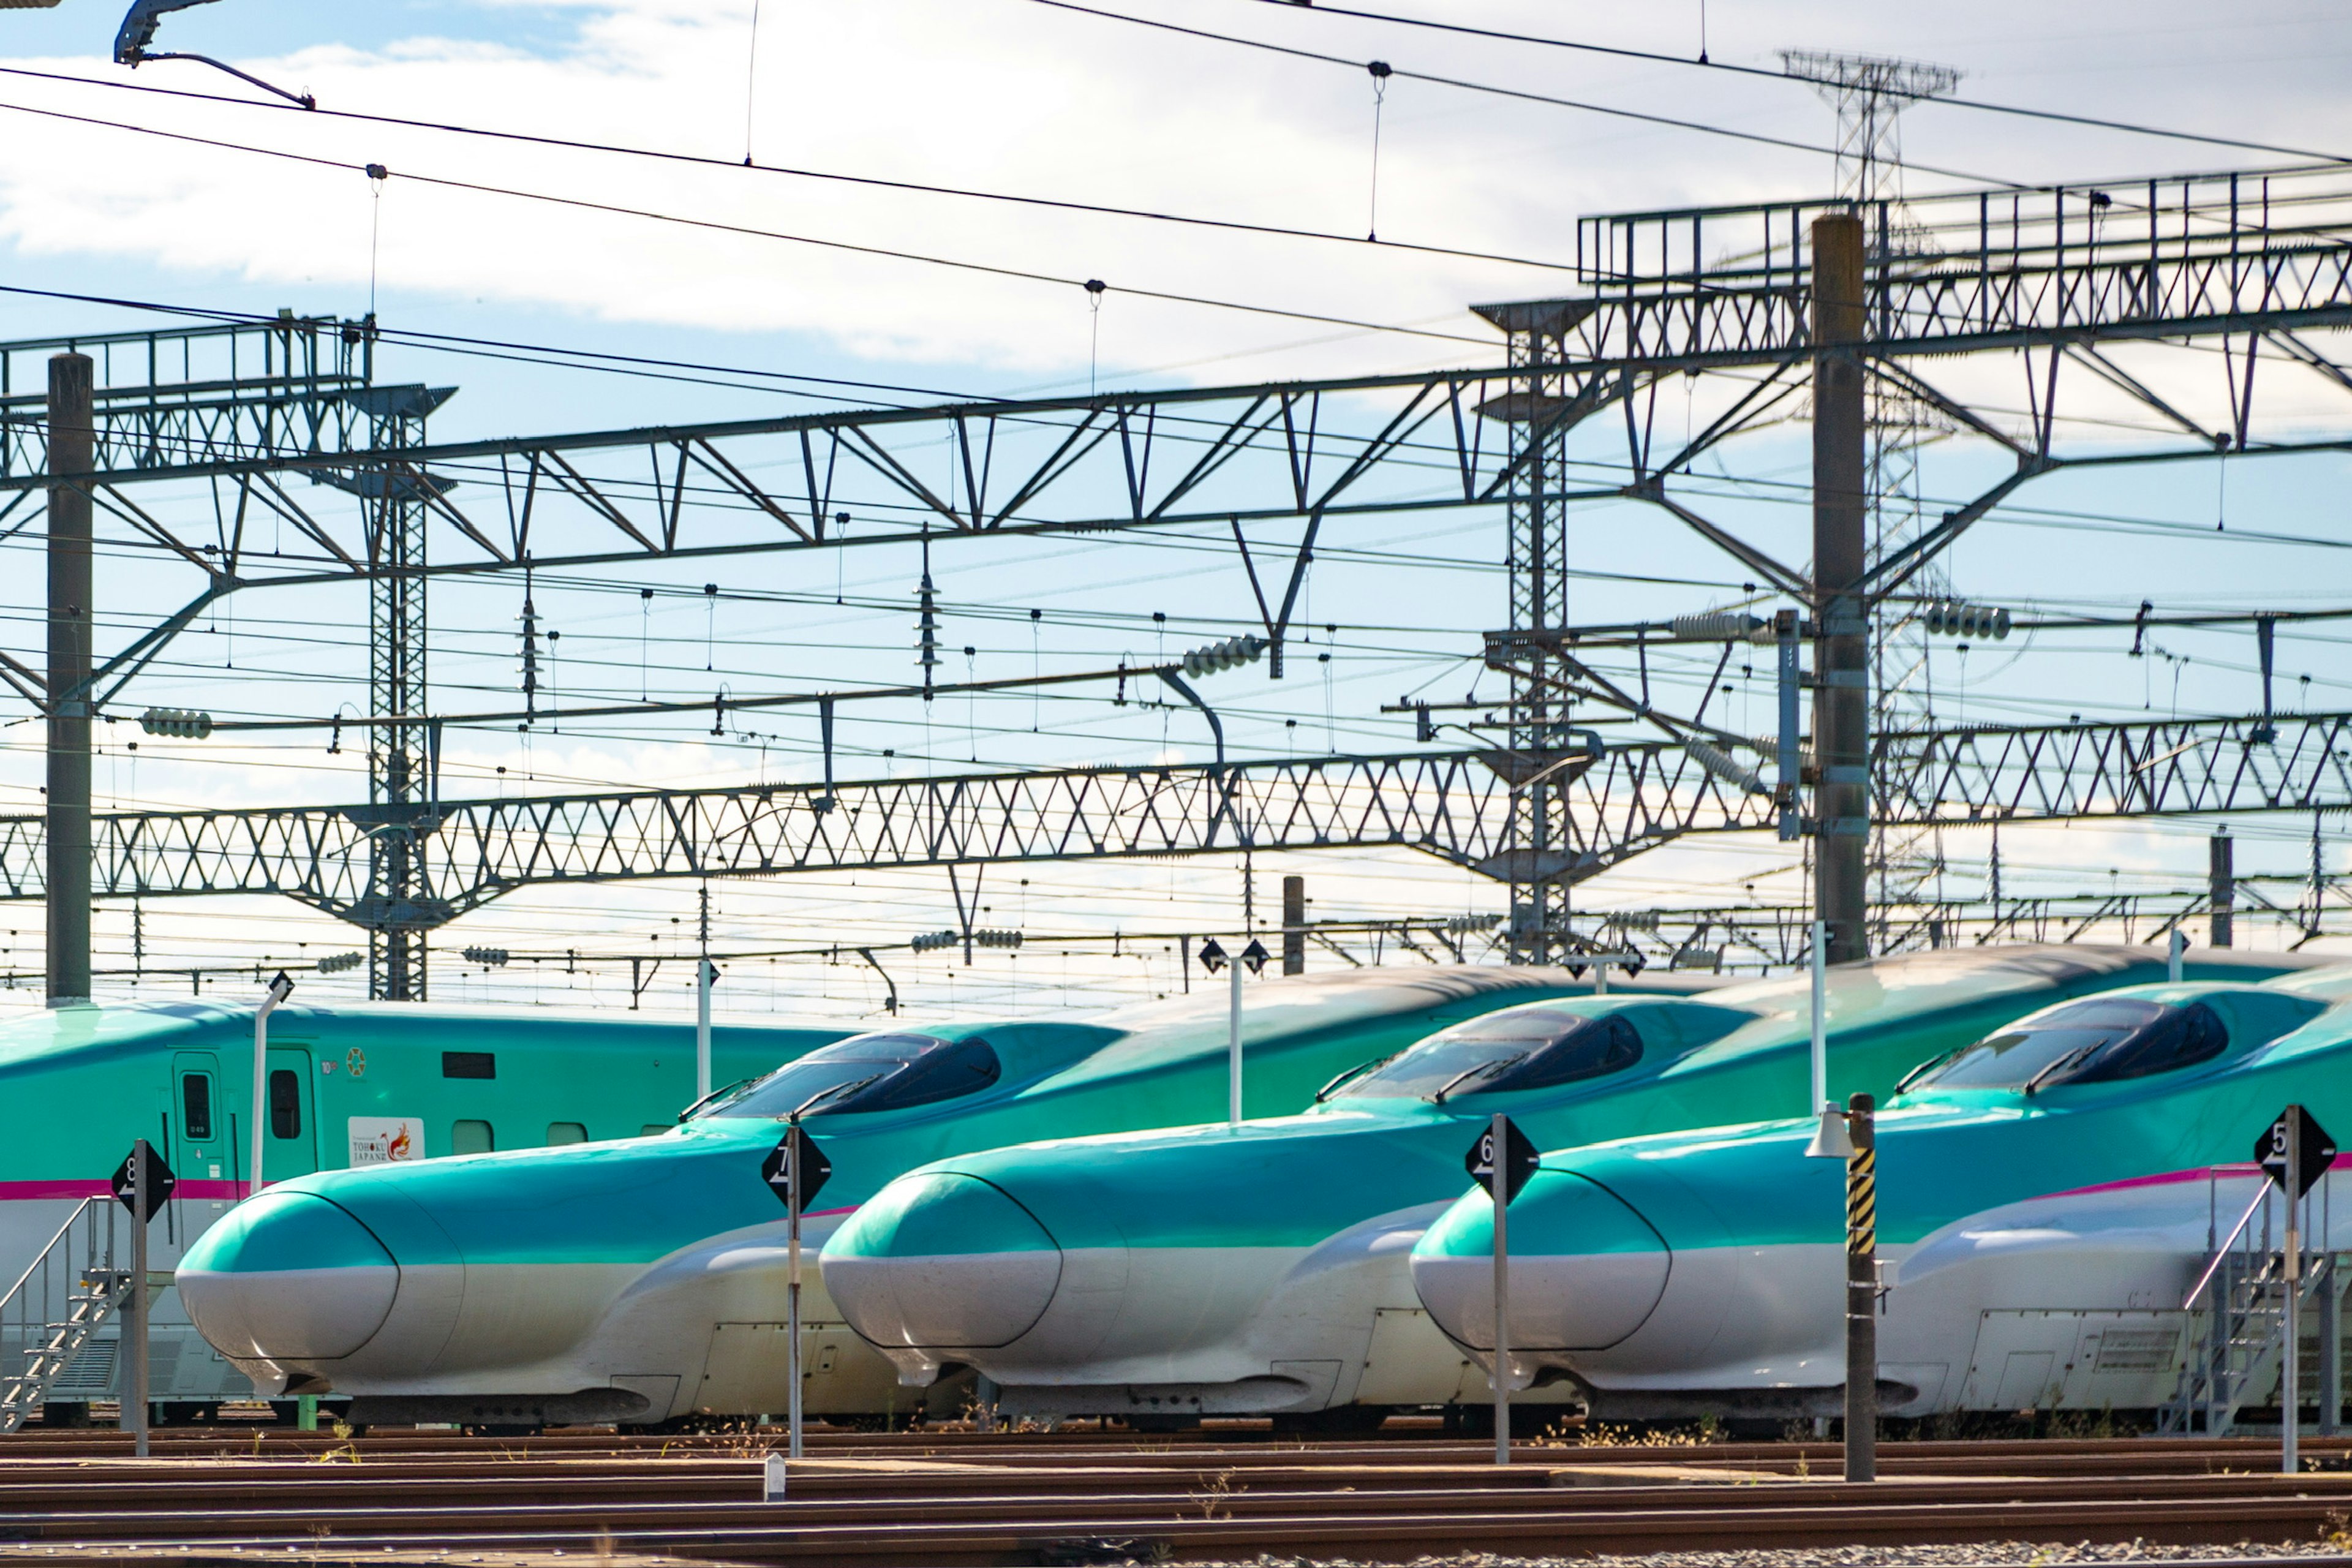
x,y
49,1316
2240,1348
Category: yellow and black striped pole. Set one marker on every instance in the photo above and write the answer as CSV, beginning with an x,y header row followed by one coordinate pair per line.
x,y
1861,1292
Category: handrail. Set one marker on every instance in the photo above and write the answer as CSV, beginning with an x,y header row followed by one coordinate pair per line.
x,y
40,1259
2222,1251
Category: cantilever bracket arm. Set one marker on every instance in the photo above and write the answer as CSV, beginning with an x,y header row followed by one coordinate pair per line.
x,y
138,30
26,680
1793,583
892,1003
1899,567
1216,728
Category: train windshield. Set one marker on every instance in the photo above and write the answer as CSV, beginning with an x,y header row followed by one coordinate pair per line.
x,y
2098,1041
872,1072
1500,1054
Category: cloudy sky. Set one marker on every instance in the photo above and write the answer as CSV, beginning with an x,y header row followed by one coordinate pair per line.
x,y
251,206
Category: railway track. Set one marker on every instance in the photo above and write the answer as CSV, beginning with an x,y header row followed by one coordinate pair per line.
x,y
958,1499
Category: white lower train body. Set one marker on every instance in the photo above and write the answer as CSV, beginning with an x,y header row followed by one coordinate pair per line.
x,y
2071,1302
1178,1333
701,1331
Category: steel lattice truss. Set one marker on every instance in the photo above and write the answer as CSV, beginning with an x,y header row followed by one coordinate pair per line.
x,y
1449,804
2257,259
192,394
2100,770
1454,805
1953,273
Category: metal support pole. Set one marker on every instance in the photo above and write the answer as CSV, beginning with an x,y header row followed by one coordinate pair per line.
x,y
1841,633
1500,1133
2331,1348
72,450
2177,949
142,1164
1821,1021
1233,1044
703,976
279,989
1789,766
2291,1362
1861,1292
1294,925
792,1292
2220,888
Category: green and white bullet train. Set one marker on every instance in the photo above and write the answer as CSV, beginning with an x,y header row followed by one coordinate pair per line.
x,y
1203,1270
2047,1196
348,1085
642,1280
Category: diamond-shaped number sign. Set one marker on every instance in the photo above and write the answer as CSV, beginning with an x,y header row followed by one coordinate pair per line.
x,y
160,1182
777,1168
1519,1158
2315,1150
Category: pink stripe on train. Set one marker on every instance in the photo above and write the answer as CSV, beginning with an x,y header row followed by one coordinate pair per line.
x,y
20,1192
2167,1178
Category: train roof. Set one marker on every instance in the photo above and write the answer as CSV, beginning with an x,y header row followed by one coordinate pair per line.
x,y
1301,1006
128,1028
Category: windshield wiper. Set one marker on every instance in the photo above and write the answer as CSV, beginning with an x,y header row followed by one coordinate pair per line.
x,y
717,1096
1930,1065
821,1096
1484,1069
2061,1064
1357,1071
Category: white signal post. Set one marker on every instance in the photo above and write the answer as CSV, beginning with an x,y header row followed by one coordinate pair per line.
x,y
1820,1044
704,973
1831,1139
2175,949
1233,1047
279,989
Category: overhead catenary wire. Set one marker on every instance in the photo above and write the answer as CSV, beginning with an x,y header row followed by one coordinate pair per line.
x,y
920,187
1656,57
1675,122
747,230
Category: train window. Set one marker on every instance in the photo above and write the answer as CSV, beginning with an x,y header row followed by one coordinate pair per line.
x,y
196,1106
653,1128
2098,1041
469,1064
566,1132
285,1103
471,1138
1501,1054
872,1072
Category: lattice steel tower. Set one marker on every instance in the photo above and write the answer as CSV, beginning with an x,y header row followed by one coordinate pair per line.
x,y
1539,860
403,788
1869,93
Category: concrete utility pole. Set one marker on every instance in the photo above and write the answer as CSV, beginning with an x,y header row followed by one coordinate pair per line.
x,y
1294,925
2220,889
1841,634
72,450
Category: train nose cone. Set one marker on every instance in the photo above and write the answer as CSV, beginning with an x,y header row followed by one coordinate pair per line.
x,y
1586,1270
287,1277
941,1261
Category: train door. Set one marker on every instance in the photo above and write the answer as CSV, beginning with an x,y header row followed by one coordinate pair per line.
x,y
202,1119
293,1141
